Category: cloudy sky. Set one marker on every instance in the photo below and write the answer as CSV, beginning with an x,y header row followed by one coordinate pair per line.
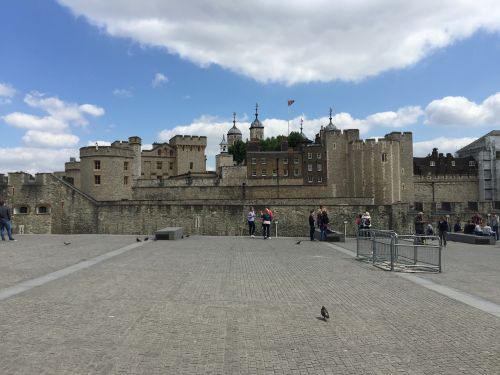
x,y
76,72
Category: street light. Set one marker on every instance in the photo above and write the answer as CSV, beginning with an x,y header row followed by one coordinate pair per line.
x,y
345,229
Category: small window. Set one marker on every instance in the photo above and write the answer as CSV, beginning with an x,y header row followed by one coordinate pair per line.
x,y
384,157
296,160
22,210
254,161
334,146
472,206
318,155
125,180
419,206
191,165
402,171
171,152
296,172
97,179
285,172
432,163
170,165
285,161
275,173
159,152
97,164
319,167
159,165
264,173
42,210
125,165
446,206
309,167
403,186
263,161
453,163
472,163
310,179
159,178
320,179
309,155
254,172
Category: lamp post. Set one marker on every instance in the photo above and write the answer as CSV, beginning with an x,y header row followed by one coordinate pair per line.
x,y
345,229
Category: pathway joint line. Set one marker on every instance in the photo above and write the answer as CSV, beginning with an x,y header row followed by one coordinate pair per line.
x,y
38,281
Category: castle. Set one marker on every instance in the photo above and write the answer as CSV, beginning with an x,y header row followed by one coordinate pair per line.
x,y
121,189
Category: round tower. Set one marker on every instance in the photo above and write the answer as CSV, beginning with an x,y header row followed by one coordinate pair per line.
x,y
135,145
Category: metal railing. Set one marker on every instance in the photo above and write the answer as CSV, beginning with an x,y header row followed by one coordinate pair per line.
x,y
389,251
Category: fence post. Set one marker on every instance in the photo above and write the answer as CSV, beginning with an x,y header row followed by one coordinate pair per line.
x,y
394,240
374,245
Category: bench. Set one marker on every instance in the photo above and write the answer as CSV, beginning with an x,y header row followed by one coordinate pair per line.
x,y
331,236
169,233
471,238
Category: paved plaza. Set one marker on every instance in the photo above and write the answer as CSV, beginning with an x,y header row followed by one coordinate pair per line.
x,y
236,305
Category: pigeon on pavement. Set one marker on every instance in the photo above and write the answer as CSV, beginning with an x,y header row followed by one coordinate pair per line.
x,y
324,313
138,239
67,243
298,242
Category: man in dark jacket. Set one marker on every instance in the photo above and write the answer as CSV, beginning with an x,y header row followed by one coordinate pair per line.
x,y
5,218
312,228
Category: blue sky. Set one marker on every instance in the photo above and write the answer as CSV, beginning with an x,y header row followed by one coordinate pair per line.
x,y
76,72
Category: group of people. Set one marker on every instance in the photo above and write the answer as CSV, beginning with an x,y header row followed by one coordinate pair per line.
x,y
475,225
478,226
363,221
5,221
443,227
266,217
319,220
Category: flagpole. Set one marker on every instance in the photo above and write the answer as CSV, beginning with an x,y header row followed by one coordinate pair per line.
x,y
288,121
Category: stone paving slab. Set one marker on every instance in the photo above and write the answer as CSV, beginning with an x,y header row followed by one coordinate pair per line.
x,y
474,269
229,305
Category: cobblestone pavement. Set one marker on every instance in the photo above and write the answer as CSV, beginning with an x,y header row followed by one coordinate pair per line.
x,y
229,305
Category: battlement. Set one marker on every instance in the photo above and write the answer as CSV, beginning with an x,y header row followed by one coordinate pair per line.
x,y
400,136
106,151
188,140
23,178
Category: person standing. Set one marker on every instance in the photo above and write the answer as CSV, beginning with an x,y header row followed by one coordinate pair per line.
x,y
251,222
494,224
267,217
312,227
419,227
443,229
5,221
324,225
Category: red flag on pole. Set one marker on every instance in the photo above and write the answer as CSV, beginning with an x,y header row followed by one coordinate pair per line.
x,y
290,102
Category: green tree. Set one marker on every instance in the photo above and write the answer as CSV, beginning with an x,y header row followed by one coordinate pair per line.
x,y
294,139
239,151
272,144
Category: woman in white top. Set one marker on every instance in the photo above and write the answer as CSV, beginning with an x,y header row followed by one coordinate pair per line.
x,y
251,222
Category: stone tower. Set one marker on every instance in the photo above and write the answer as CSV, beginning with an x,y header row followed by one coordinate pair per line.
x,y
234,134
256,128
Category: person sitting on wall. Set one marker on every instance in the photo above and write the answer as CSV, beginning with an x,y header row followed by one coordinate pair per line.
x,y
429,230
478,231
487,231
457,227
469,228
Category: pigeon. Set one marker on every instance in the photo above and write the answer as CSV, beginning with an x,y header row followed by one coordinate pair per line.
x,y
147,238
298,242
67,243
138,239
187,235
324,313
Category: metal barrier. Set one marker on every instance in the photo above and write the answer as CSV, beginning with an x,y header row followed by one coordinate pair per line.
x,y
386,250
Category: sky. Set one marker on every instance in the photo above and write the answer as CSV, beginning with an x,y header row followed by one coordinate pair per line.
x,y
77,72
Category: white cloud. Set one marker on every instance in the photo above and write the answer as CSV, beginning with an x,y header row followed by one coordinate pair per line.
x,y
70,113
460,111
123,92
34,160
159,80
51,130
444,145
7,92
26,121
403,117
295,41
47,139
